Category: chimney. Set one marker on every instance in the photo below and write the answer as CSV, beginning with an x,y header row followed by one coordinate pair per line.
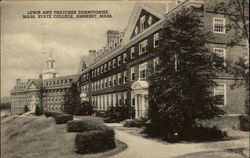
x,y
111,35
18,80
28,80
40,76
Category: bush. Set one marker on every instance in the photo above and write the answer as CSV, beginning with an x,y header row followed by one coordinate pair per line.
x,y
244,123
84,109
195,134
52,114
38,111
85,125
118,113
134,123
95,141
63,118
100,113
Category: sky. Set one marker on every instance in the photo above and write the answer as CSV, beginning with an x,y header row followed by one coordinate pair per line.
x,y
26,43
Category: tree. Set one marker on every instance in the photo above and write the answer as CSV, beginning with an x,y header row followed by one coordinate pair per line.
x,y
72,99
181,87
85,108
237,12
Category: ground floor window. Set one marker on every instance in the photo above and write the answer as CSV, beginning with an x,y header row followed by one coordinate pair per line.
x,y
220,94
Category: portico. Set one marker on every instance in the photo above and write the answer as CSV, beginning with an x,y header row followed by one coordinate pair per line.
x,y
140,92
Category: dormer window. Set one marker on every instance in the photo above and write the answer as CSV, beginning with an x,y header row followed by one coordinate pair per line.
x,y
142,23
150,20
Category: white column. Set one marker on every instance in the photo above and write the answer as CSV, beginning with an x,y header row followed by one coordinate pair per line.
x,y
136,106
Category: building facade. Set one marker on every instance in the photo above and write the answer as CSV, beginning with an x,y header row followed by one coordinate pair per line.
x,y
47,92
120,71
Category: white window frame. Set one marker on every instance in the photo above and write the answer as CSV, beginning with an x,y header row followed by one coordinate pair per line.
x,y
224,25
156,62
142,23
156,37
132,51
113,63
224,91
114,79
141,46
119,60
132,71
140,69
125,76
119,78
124,57
223,55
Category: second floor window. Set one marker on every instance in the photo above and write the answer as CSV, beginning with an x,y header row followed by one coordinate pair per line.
x,y
132,74
143,71
143,47
132,52
219,25
156,40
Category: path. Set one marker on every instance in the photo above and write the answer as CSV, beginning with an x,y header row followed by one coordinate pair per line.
x,y
139,147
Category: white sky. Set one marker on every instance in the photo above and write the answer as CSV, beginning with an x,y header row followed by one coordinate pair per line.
x,y
23,41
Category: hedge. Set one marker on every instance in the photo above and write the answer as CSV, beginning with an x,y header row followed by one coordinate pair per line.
x,y
84,125
244,123
52,114
95,141
134,123
63,118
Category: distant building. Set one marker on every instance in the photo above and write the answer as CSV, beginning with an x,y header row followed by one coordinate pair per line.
x,y
119,74
46,92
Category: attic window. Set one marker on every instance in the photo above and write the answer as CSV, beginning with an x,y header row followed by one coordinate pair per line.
x,y
142,23
150,20
136,30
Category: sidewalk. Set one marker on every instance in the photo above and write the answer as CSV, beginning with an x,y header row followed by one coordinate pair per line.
x,y
139,147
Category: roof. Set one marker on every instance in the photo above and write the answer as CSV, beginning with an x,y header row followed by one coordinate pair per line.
x,y
84,61
73,77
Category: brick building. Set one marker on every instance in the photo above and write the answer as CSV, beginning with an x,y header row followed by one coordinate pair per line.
x,y
119,73
46,92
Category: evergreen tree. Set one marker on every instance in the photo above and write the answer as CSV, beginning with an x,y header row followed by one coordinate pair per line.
x,y
181,87
72,99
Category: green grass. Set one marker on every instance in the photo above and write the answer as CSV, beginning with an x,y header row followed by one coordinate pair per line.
x,y
40,137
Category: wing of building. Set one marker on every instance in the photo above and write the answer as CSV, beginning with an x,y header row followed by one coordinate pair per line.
x,y
119,74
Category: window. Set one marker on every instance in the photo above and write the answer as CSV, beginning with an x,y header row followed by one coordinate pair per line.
x,y
132,74
156,40
220,94
102,82
119,60
143,47
119,78
98,71
124,57
113,63
221,52
125,98
142,23
110,82
105,67
125,78
106,82
114,80
132,52
156,62
101,69
110,65
143,71
114,99
120,98
219,25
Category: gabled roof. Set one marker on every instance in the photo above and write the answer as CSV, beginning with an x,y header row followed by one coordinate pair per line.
x,y
37,82
85,61
156,9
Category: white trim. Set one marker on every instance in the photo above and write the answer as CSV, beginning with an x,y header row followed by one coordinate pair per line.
x,y
140,69
155,36
225,93
224,25
132,70
132,51
145,42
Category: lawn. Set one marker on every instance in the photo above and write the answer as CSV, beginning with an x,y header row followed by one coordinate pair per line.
x,y
235,153
40,137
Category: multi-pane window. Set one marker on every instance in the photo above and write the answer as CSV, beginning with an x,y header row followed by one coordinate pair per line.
x,y
119,78
110,65
124,57
221,52
110,82
114,80
220,94
143,47
219,25
113,63
119,60
132,52
156,62
125,77
156,40
143,71
132,74
142,23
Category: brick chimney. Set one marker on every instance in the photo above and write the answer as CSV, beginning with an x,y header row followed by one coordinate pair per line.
x,y
18,80
111,35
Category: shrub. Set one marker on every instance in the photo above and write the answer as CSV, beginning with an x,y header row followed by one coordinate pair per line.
x,y
84,125
38,111
52,114
118,113
84,109
244,122
63,118
95,141
134,123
